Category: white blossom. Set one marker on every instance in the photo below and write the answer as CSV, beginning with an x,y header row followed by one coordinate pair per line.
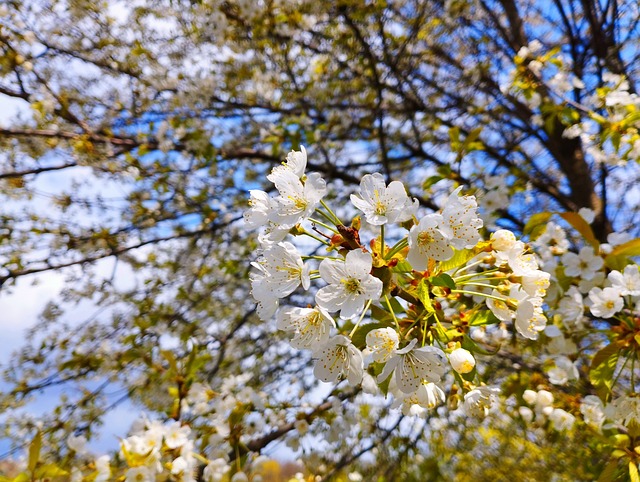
x,y
428,396
382,204
628,282
605,302
426,241
624,410
460,221
311,326
561,419
350,284
592,410
585,264
338,358
414,365
503,240
296,201
296,163
280,271
478,401
382,343
563,372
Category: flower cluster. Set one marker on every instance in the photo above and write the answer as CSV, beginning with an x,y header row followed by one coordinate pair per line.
x,y
401,307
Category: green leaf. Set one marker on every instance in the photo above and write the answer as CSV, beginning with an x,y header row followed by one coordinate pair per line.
x,y
602,368
630,248
402,267
425,296
34,451
483,317
609,472
50,470
633,472
616,262
536,225
380,314
23,477
469,344
430,181
459,258
580,225
443,279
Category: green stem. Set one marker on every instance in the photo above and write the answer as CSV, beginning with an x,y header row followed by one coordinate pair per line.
x,y
382,241
323,224
336,219
360,319
464,268
320,240
483,273
386,299
473,283
396,248
304,258
477,293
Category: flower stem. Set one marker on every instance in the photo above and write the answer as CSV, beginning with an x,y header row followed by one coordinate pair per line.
x,y
360,319
396,248
477,293
382,241
320,240
323,224
386,299
336,219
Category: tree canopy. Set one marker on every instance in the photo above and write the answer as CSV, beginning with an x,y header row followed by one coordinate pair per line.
x,y
144,126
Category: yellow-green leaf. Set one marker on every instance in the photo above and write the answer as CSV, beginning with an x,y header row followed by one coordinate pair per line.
x,y
609,472
580,225
425,296
630,248
34,451
633,472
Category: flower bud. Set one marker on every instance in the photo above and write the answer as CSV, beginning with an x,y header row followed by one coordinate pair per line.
x,y
502,240
462,360
530,396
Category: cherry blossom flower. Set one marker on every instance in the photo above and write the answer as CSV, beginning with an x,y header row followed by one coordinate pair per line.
x,y
605,302
350,284
460,221
311,326
413,366
382,204
280,270
296,201
382,343
426,240
502,240
339,358
296,163
571,308
428,396
561,419
479,400
563,372
624,410
628,282
261,209
592,410
585,264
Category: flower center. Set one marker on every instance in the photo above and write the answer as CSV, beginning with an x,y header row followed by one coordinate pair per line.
x,y
425,238
352,286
